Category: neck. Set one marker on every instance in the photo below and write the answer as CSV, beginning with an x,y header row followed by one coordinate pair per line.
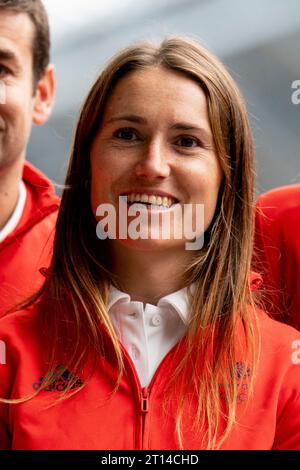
x,y
10,178
148,275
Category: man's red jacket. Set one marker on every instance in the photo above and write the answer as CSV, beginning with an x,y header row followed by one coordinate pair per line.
x,y
277,252
29,246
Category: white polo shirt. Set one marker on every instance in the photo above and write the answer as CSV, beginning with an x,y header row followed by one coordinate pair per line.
x,y
16,215
148,333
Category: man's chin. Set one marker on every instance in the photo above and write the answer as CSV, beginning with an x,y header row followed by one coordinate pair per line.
x,y
7,161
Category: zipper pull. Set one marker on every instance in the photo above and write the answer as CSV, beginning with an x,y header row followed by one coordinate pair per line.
x,y
145,400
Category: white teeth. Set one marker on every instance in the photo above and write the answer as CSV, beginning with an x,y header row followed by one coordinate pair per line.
x,y
166,202
155,200
152,200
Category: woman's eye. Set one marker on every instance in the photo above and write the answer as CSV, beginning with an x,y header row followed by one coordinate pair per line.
x,y
126,134
189,142
3,70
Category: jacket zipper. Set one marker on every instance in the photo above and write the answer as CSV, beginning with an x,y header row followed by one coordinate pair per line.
x,y
144,411
143,395
145,400
144,392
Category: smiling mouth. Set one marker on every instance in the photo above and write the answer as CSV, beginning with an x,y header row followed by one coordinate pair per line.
x,y
151,207
150,201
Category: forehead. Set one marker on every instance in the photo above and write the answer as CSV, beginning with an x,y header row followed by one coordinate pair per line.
x,y
157,90
16,35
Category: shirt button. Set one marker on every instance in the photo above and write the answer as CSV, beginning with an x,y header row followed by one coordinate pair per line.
x,y
156,320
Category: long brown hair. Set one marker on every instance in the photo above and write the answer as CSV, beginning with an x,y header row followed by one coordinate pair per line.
x,y
220,271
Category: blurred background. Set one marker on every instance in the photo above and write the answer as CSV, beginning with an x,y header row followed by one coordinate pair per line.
x,y
259,41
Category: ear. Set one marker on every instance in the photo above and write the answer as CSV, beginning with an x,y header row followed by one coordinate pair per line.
x,y
44,97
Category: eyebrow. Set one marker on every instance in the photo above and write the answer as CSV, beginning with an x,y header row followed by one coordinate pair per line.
x,y
192,127
179,125
127,117
10,56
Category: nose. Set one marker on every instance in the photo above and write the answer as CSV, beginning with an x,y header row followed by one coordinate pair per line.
x,y
153,162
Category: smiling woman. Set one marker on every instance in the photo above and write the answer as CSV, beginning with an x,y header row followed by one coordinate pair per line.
x,y
155,139
139,342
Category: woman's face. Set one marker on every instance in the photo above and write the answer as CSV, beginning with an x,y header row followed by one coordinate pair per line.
x,y
155,138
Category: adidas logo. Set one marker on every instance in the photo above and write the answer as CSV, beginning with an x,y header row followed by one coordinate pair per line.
x,y
61,378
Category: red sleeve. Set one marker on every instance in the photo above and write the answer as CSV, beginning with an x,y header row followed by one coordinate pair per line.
x,y
8,367
267,260
288,415
4,408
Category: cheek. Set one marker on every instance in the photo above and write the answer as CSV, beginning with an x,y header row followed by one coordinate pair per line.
x,y
99,187
213,188
16,116
204,189
205,181
19,101
105,173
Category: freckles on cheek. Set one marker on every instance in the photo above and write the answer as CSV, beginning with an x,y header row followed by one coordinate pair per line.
x,y
203,188
104,162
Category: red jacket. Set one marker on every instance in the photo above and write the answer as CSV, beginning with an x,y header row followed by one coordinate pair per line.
x,y
29,247
133,418
278,251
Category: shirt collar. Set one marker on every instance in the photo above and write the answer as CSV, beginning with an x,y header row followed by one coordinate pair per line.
x,y
177,300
